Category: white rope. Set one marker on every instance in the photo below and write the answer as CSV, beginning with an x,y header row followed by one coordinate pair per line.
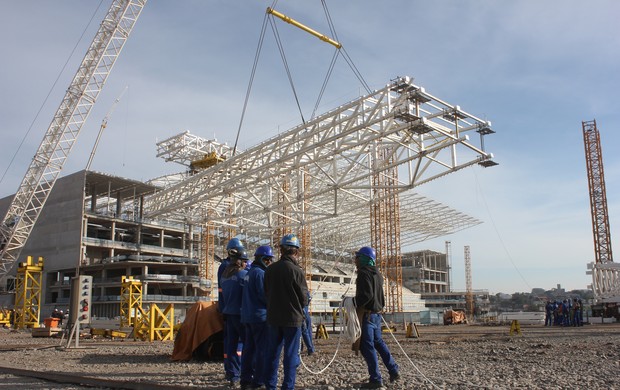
x,y
404,353
335,352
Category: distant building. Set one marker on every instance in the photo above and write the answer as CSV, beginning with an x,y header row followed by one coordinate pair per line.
x,y
428,273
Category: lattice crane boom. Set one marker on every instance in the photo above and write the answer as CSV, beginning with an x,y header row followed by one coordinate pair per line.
x,y
605,273
64,129
598,193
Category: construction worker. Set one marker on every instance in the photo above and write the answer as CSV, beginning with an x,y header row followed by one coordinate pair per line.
x,y
254,320
230,306
548,313
233,248
369,297
287,294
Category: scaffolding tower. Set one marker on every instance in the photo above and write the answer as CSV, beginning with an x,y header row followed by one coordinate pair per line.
x,y
449,265
131,300
28,293
385,230
469,292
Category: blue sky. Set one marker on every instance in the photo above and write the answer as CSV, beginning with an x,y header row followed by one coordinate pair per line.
x,y
535,69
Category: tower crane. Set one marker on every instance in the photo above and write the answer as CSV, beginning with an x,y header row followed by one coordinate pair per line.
x,y
605,273
104,124
64,129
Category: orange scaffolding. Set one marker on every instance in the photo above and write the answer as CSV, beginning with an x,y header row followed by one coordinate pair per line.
x,y
385,228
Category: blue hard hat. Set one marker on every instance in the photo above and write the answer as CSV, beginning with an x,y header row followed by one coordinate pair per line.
x,y
264,250
234,243
368,252
290,240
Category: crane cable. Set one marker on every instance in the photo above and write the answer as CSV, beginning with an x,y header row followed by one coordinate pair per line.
x,y
251,82
346,56
332,64
276,35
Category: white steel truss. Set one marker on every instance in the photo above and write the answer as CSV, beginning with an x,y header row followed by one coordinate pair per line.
x,y
427,138
64,129
605,281
186,148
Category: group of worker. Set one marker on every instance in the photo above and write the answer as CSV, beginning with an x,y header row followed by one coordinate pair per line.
x,y
568,312
265,310
60,315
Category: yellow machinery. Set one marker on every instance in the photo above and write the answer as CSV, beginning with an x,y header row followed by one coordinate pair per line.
x,y
131,300
209,160
5,317
28,293
152,324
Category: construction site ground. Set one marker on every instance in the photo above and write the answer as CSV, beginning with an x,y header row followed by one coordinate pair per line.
x,y
445,357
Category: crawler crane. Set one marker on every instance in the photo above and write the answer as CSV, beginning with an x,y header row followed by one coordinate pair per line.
x,y
63,131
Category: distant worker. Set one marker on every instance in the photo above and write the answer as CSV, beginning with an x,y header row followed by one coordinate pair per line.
x,y
231,285
576,312
548,313
369,296
287,294
254,320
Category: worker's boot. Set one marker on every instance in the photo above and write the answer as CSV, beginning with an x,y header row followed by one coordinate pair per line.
x,y
372,385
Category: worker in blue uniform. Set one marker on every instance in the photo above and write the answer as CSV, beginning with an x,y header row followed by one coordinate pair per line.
x,y
369,297
306,330
233,248
230,304
287,294
254,320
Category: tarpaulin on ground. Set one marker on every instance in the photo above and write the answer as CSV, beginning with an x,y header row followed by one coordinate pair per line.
x,y
453,317
200,335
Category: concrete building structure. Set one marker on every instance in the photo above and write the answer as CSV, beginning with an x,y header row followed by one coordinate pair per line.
x,y
93,224
428,273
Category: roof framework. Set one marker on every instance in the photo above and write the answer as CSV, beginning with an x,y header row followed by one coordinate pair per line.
x,y
263,188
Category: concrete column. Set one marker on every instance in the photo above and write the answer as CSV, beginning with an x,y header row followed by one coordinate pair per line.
x,y
190,239
118,204
93,198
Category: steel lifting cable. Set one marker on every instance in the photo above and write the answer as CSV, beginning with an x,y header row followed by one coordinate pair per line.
x,y
251,82
324,86
276,35
346,56
49,93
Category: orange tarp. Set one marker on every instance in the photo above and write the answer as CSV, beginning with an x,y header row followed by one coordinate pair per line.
x,y
201,321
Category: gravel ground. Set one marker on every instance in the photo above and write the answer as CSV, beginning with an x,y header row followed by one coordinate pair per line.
x,y
445,357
